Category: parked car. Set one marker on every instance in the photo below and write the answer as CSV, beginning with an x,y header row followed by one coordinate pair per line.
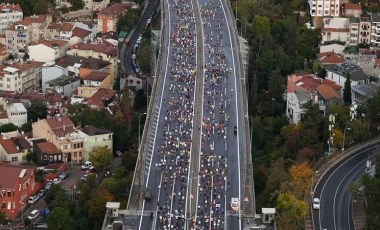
x,y
41,192
91,170
117,153
33,215
57,181
64,175
316,203
33,199
48,185
86,165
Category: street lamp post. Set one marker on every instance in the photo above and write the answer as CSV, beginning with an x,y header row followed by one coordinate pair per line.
x,y
344,137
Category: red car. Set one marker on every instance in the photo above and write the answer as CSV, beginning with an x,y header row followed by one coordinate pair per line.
x,y
91,170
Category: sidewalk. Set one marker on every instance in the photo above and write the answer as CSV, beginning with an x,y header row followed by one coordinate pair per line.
x,y
358,213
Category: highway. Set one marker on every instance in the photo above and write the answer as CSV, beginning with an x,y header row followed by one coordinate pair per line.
x,y
194,143
336,201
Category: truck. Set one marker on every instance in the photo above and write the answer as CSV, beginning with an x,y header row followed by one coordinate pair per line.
x,y
235,204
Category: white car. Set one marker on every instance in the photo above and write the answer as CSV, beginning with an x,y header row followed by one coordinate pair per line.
x,y
33,199
57,181
316,203
33,215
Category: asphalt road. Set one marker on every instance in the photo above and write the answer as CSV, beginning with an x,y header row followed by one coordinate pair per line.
x,y
336,201
150,10
169,139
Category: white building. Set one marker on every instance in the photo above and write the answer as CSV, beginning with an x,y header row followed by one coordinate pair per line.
x,y
17,114
47,51
95,137
10,79
51,71
323,8
375,31
9,13
338,74
354,31
335,29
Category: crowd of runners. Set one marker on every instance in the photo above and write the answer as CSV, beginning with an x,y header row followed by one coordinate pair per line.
x,y
175,147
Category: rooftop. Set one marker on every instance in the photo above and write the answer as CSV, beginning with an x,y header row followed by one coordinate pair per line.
x,y
63,80
356,74
93,130
48,148
81,33
95,64
12,172
96,76
116,9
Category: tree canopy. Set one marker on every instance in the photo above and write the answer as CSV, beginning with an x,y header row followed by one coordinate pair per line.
x,y
60,219
100,157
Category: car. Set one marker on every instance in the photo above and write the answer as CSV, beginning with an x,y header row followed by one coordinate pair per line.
x,y
64,175
86,165
117,153
91,170
148,194
48,185
33,199
316,203
33,214
149,20
57,181
22,226
41,192
235,130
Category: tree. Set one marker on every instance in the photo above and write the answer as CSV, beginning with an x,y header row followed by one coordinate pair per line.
x,y
37,110
140,100
40,7
77,4
347,90
291,211
27,127
3,218
300,175
97,206
100,157
261,30
60,219
10,127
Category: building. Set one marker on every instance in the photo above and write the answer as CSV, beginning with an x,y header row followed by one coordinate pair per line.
x,y
15,188
95,137
17,114
362,93
365,28
98,5
51,71
351,10
375,30
3,54
354,26
66,31
30,29
78,66
108,18
103,51
62,133
54,30
9,79
47,152
338,74
47,50
80,35
14,149
323,8
335,30
63,85
305,88
96,79
9,13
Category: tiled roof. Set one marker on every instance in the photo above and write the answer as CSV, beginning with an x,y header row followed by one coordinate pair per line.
x,y
351,6
26,65
308,83
96,76
54,26
11,7
61,125
335,30
34,19
81,33
95,102
100,47
67,27
9,146
52,44
95,64
116,9
12,173
327,92
328,58
93,130
21,142
48,148
104,94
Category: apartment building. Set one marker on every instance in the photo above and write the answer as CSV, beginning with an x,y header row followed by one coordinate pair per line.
x,y
21,34
375,30
14,149
60,131
95,137
30,75
365,28
15,188
351,10
108,18
322,8
335,29
47,50
9,13
354,26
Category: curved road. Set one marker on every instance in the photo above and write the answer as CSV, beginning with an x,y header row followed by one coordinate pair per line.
x,y
336,201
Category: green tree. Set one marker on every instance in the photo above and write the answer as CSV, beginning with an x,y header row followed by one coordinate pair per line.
x,y
347,90
40,7
77,4
100,157
291,211
261,30
10,127
60,219
27,127
140,100
37,110
3,218
97,206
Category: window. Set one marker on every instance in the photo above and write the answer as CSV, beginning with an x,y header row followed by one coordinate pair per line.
x,y
3,205
80,154
14,159
75,154
9,194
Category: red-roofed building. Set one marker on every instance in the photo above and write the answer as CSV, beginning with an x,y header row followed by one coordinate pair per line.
x,y
108,18
17,183
329,58
9,13
351,10
97,79
80,35
47,152
63,134
305,88
47,51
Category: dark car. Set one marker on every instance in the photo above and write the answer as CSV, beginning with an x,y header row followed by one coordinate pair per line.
x,y
235,130
147,194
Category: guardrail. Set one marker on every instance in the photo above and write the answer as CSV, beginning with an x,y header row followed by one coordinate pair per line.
x,y
321,171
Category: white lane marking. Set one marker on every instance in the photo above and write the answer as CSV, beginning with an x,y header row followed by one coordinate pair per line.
x,y
236,107
159,108
323,188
